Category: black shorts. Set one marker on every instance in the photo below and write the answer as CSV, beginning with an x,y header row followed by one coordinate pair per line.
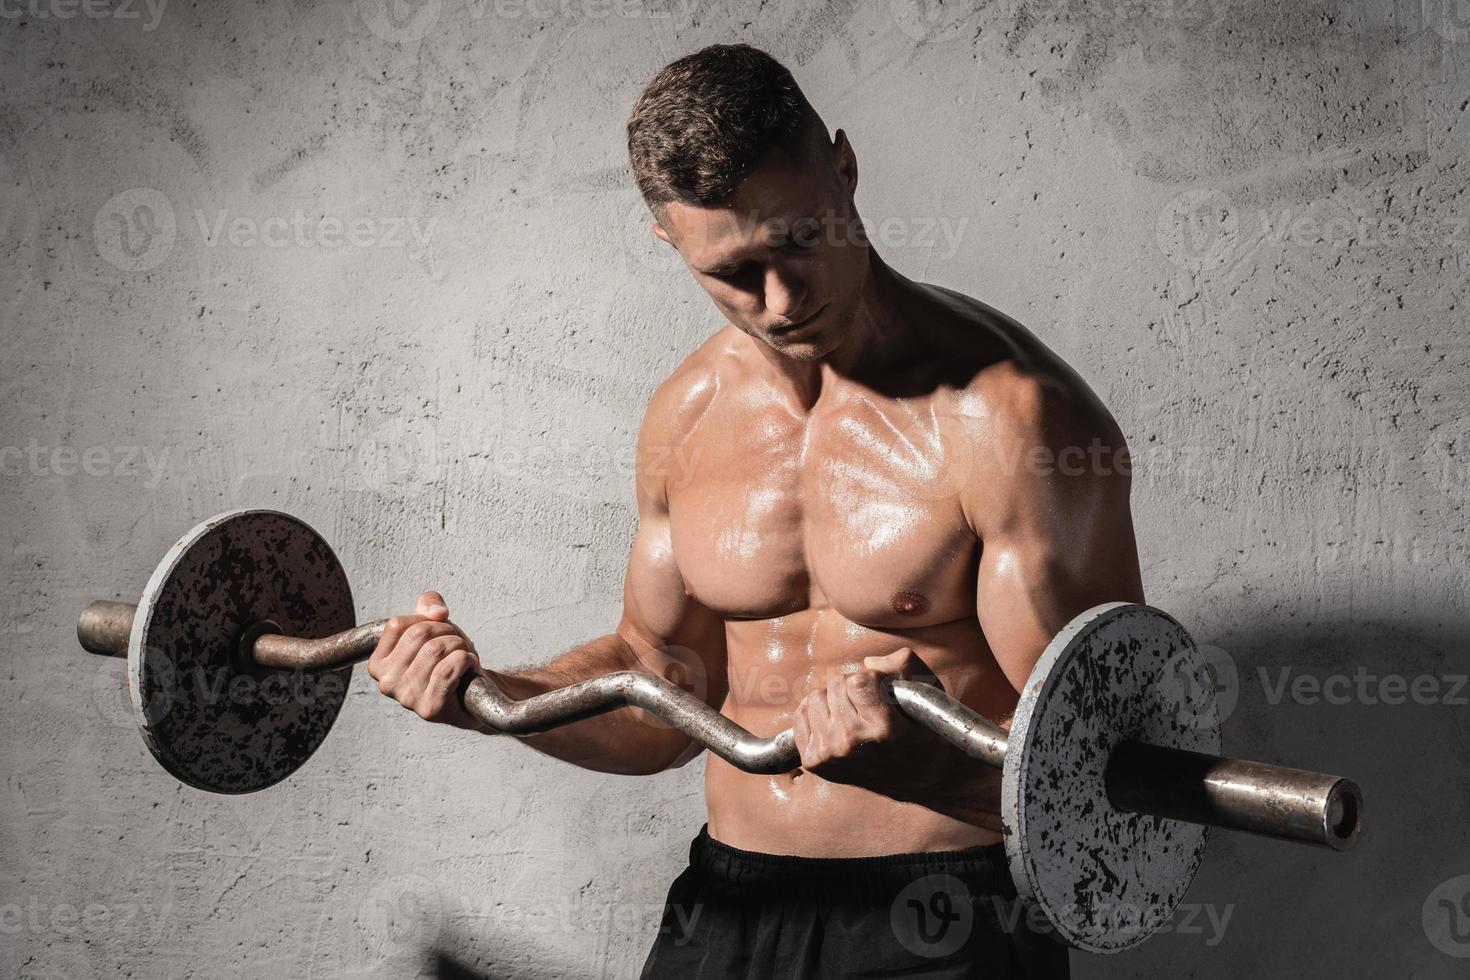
x,y
954,914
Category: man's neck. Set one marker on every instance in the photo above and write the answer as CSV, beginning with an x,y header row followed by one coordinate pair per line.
x,y
879,335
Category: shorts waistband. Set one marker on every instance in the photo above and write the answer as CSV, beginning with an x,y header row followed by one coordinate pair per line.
x,y
983,870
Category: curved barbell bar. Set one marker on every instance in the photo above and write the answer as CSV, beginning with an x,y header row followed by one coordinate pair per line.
x,y
1274,801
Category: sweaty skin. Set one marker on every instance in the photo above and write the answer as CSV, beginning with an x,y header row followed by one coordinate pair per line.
x,y
858,475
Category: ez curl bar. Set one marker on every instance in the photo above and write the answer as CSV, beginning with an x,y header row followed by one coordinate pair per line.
x,y
1111,771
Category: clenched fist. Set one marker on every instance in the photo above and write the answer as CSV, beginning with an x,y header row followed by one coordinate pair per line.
x,y
421,660
850,732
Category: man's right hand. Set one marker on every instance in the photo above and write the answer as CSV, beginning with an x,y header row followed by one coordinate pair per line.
x,y
421,660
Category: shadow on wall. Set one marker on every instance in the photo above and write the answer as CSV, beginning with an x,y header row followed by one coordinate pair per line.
x,y
533,964
446,967
1385,699
1381,697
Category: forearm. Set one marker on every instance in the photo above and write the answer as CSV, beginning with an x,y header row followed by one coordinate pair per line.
x,y
945,779
625,741
963,788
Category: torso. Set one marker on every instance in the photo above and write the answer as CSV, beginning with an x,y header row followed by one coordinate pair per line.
x,y
823,538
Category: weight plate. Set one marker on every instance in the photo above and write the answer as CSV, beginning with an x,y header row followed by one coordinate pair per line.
x,y
1104,878
209,722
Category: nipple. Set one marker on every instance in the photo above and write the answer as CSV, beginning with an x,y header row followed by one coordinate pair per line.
x,y
909,604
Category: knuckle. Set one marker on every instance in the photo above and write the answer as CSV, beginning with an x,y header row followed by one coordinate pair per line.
x,y
451,665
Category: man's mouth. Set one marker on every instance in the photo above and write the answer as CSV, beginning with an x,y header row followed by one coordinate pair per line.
x,y
791,328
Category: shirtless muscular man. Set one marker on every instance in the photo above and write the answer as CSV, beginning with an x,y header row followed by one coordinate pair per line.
x,y
891,478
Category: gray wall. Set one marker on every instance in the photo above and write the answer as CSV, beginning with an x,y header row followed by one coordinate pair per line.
x,y
1244,222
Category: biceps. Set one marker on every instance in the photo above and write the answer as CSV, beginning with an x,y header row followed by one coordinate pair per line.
x,y
672,634
1037,578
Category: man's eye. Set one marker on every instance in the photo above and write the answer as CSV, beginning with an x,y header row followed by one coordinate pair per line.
x,y
806,234
798,244
732,272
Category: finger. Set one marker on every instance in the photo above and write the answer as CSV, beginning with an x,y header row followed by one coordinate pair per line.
x,y
819,722
895,664
904,663
441,692
401,657
845,721
415,678
875,715
801,727
416,672
392,633
432,606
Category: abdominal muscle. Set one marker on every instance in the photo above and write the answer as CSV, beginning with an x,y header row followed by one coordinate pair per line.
x,y
775,663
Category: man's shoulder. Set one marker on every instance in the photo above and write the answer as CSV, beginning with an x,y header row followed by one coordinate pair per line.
x,y
683,398
1019,389
1037,402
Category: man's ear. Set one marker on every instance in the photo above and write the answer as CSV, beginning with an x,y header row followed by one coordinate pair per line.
x,y
846,161
658,230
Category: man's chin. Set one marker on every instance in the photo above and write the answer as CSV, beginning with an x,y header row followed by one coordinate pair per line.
x,y
805,349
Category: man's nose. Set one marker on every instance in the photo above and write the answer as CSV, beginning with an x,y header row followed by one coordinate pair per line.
x,y
785,291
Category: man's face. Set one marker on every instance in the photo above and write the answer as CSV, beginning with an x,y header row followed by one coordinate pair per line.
x,y
785,260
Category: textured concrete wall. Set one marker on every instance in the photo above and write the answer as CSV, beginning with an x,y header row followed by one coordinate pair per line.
x,y
357,262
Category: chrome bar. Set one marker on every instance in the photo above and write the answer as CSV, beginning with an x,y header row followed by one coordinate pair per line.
x,y
1288,804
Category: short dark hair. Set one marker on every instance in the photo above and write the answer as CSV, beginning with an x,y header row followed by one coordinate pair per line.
x,y
705,121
